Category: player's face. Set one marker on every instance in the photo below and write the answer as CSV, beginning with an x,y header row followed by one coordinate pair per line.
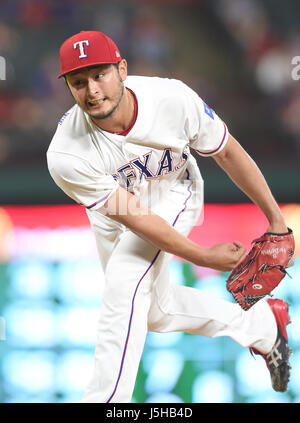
x,y
98,90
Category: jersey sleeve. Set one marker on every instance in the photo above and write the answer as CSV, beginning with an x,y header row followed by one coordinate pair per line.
x,y
86,185
206,131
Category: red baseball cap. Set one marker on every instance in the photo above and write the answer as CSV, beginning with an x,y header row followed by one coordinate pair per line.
x,y
87,48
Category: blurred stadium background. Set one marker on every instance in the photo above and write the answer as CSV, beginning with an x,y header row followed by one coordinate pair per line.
x,y
237,55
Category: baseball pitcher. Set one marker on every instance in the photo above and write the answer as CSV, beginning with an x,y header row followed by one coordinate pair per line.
x,y
123,152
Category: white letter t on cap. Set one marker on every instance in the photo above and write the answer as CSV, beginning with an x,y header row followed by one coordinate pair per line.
x,y
81,48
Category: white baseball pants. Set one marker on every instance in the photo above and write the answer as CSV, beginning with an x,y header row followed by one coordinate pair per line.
x,y
139,297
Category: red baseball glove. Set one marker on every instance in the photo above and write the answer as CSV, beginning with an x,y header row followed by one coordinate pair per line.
x,y
262,269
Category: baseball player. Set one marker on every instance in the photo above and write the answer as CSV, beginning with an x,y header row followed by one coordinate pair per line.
x,y
123,152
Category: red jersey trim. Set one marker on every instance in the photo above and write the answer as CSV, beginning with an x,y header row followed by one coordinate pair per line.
x,y
219,146
99,201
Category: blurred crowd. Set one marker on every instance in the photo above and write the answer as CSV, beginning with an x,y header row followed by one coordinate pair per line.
x,y
268,34
31,31
32,99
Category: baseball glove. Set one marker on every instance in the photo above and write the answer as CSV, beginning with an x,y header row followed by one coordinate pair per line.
x,y
262,269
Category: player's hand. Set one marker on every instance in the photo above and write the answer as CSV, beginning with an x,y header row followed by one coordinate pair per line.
x,y
226,256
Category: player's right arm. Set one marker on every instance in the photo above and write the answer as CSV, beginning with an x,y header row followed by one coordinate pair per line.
x,y
126,209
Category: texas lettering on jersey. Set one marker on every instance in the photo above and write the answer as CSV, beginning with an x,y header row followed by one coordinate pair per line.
x,y
128,172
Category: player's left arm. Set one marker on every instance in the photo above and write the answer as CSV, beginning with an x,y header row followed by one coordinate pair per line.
x,y
244,172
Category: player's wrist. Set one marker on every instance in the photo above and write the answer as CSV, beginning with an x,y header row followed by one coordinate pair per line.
x,y
277,227
277,222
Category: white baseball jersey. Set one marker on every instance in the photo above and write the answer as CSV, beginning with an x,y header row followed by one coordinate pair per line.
x,y
89,164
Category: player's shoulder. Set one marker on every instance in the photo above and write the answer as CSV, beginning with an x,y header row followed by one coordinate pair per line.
x,y
73,121
162,95
156,84
71,130
153,80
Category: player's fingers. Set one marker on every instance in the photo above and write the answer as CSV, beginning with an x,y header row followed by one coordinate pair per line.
x,y
239,245
240,252
239,249
240,260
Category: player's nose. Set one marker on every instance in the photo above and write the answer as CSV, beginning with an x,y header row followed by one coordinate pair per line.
x,y
92,87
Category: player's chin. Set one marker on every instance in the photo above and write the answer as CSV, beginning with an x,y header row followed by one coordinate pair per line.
x,y
98,114
102,114
95,108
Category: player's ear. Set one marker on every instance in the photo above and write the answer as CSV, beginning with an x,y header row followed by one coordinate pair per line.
x,y
123,69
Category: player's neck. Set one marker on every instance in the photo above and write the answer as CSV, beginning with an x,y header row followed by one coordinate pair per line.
x,y
122,117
